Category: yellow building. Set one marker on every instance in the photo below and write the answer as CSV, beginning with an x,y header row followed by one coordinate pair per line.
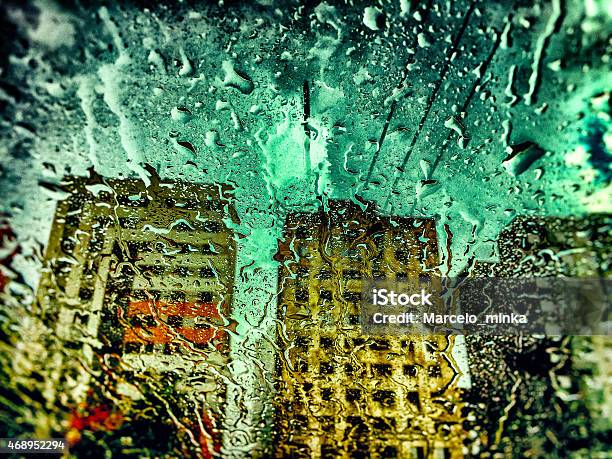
x,y
343,394
138,280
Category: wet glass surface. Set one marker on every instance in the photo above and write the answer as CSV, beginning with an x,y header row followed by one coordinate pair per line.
x,y
192,193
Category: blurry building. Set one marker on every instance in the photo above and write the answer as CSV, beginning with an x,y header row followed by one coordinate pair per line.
x,y
138,280
552,246
543,247
343,394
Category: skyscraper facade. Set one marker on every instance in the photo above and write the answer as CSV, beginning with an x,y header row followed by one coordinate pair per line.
x,y
342,393
138,280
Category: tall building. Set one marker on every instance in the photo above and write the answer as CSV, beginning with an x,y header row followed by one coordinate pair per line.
x,y
139,280
341,393
538,374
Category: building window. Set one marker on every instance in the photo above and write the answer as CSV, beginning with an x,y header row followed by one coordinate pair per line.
x,y
205,297
435,371
353,395
410,371
326,368
414,399
207,272
384,397
175,321
301,295
382,369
